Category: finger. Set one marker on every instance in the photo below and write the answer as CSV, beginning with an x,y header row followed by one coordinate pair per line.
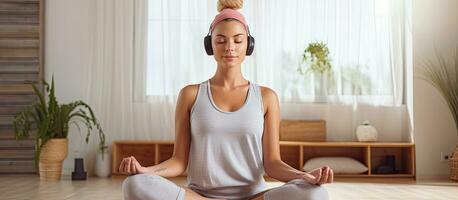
x,y
315,176
132,167
128,165
309,178
135,163
137,167
318,176
121,166
324,176
331,176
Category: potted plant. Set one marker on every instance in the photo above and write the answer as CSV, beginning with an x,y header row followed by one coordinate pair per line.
x,y
315,60
52,121
445,79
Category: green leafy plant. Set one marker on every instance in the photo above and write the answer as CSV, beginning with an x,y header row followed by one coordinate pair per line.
x,y
445,79
316,58
52,120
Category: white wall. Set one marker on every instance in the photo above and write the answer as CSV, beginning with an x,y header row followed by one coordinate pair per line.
x,y
69,25
435,24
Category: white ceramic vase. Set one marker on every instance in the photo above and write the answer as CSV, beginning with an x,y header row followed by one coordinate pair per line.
x,y
102,166
366,132
321,87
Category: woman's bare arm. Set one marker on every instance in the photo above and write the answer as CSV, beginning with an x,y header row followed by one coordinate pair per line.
x,y
177,164
273,165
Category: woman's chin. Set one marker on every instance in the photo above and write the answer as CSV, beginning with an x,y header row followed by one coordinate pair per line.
x,y
230,63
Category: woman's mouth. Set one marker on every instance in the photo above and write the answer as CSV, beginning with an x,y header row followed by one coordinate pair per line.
x,y
229,57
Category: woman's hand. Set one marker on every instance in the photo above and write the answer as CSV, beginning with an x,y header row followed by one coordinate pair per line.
x,y
319,176
130,166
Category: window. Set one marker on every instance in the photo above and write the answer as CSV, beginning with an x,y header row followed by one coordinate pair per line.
x,y
366,40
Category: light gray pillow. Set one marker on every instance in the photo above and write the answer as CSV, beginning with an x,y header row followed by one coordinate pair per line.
x,y
339,165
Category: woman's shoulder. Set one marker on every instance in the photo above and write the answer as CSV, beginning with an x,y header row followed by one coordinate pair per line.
x,y
190,89
188,94
269,97
267,93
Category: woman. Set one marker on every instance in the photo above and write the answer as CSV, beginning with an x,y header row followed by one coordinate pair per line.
x,y
226,133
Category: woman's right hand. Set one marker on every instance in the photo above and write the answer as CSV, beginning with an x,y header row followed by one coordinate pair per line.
x,y
319,176
130,166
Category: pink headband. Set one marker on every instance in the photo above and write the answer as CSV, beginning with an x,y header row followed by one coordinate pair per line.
x,y
229,14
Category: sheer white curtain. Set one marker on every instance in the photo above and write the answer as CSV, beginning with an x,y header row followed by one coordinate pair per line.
x,y
176,56
364,36
118,49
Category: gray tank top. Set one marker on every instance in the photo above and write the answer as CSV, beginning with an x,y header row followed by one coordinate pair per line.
x,y
225,158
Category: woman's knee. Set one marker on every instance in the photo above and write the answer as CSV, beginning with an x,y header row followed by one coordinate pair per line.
x,y
146,186
297,190
132,186
317,192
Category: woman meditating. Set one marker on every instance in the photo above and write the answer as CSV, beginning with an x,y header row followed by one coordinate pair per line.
x,y
227,133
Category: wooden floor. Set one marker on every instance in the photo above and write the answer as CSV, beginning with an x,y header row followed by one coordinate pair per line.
x,y
19,187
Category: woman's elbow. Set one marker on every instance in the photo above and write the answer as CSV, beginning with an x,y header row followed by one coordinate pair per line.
x,y
180,164
269,167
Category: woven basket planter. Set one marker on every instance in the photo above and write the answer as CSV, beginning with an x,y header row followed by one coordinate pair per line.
x,y
52,155
454,165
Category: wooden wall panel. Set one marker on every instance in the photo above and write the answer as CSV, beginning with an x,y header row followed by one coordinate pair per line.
x,y
21,64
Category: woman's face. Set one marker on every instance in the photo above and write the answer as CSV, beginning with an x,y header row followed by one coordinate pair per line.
x,y
229,43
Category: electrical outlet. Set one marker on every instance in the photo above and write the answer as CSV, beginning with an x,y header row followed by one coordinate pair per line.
x,y
445,157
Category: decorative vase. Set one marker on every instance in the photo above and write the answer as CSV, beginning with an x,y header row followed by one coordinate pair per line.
x,y
52,154
366,132
454,165
320,87
79,173
102,165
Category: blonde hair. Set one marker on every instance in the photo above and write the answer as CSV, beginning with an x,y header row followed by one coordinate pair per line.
x,y
232,4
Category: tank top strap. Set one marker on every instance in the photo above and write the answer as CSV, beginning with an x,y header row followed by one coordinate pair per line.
x,y
257,96
201,94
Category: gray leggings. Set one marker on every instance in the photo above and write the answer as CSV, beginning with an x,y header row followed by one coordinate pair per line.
x,y
138,187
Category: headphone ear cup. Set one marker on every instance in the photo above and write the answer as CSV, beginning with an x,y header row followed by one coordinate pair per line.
x,y
208,45
250,45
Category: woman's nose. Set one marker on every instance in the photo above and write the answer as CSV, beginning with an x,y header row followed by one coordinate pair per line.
x,y
230,46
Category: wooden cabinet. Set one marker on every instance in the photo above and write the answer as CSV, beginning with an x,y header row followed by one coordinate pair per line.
x,y
370,154
293,153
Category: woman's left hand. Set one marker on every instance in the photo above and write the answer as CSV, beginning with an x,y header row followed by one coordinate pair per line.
x,y
320,176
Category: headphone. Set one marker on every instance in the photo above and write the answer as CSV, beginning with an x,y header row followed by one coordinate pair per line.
x,y
208,43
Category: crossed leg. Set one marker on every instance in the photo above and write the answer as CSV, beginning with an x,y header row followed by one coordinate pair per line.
x,y
145,186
